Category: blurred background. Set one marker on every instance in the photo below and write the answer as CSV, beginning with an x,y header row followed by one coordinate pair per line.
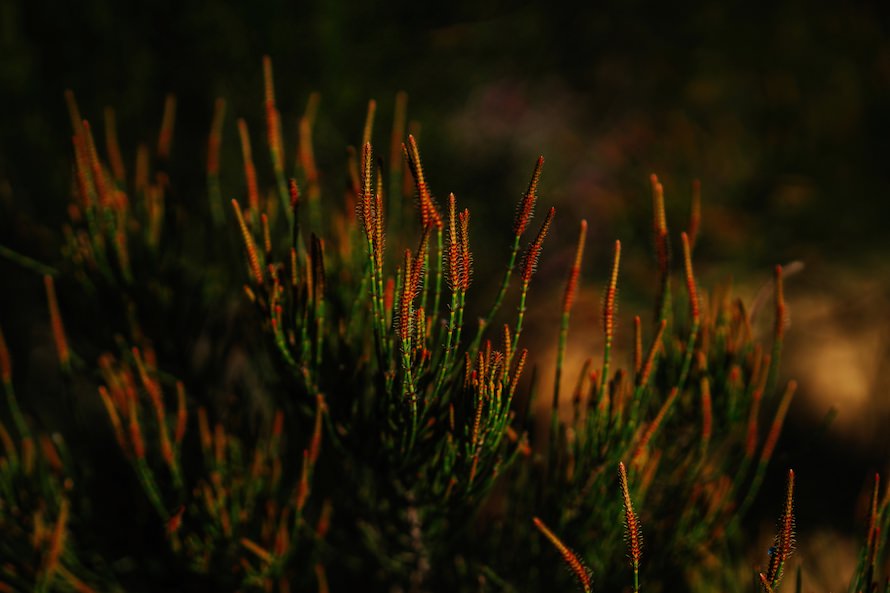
x,y
782,110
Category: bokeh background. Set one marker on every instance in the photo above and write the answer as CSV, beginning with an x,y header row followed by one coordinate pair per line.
x,y
781,109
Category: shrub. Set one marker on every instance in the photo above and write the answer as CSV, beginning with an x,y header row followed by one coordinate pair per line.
x,y
375,436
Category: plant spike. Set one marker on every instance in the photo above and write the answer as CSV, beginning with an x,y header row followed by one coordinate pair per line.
x,y
609,308
253,258
112,147
527,269
784,543
695,214
524,212
567,301
693,308
633,534
662,249
581,572
273,134
253,193
165,137
771,439
58,327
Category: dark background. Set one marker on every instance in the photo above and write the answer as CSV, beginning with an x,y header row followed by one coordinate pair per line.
x,y
780,108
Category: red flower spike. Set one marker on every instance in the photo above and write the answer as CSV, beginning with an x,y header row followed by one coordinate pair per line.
x,y
633,534
406,299
429,215
659,224
581,572
58,327
307,153
57,540
526,207
267,237
611,295
520,365
96,166
532,253
706,410
112,147
303,486
389,294
136,432
273,126
695,213
294,192
690,279
784,542
466,258
214,141
572,284
315,443
165,137
453,248
181,414
114,417
253,193
252,257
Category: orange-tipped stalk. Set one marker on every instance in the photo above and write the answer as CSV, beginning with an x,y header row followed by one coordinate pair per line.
x,y
57,541
165,137
707,414
524,211
527,268
306,161
114,418
633,534
181,414
253,258
581,572
769,446
695,213
253,193
112,147
429,214
567,302
655,424
784,542
662,249
58,327
694,310
609,310
273,132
